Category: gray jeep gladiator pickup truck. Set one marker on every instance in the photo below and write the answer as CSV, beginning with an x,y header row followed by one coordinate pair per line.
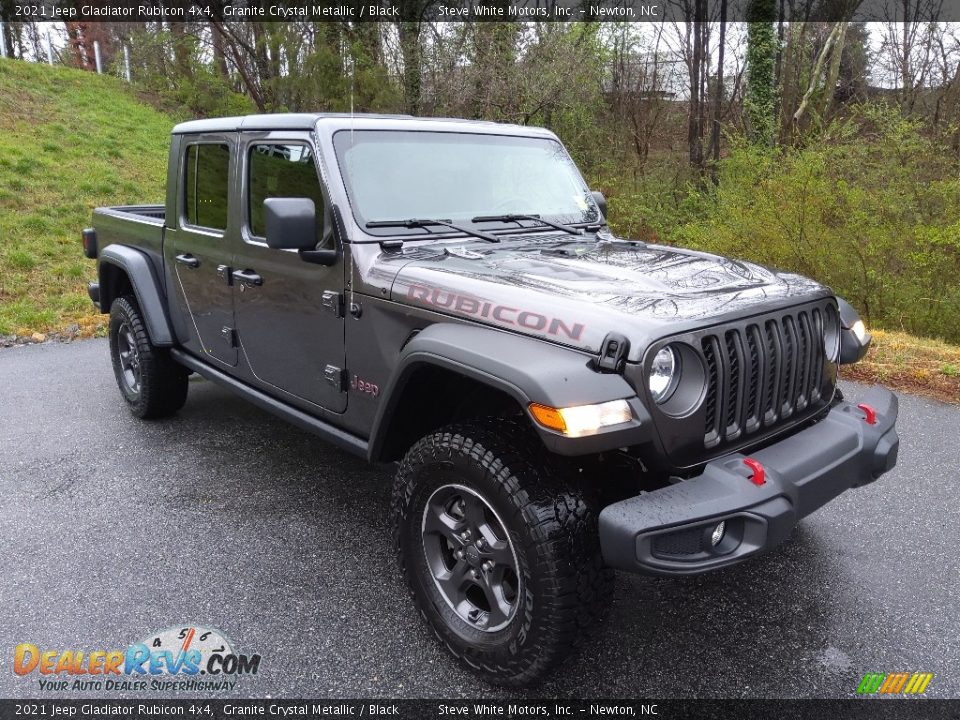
x,y
446,294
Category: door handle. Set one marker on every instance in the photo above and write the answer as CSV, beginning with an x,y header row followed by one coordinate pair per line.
x,y
247,278
189,260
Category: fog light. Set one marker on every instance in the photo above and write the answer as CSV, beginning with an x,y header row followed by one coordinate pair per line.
x,y
718,531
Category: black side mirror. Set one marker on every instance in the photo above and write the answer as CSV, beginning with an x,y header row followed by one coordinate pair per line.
x,y
291,223
601,202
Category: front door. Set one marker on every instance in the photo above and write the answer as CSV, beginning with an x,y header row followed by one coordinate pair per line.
x,y
196,248
288,312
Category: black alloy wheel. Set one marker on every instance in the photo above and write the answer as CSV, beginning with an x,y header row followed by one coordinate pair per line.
x,y
128,357
471,557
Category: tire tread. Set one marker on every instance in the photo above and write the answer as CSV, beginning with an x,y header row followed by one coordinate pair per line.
x,y
163,382
561,521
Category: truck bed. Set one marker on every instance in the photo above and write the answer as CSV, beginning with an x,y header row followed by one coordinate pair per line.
x,y
140,213
138,225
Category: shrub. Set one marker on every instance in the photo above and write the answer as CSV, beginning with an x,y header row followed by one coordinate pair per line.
x,y
872,209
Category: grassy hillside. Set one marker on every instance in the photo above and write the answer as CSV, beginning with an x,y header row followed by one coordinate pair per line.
x,y
69,141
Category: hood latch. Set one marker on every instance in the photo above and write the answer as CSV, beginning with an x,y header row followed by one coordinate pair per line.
x,y
613,353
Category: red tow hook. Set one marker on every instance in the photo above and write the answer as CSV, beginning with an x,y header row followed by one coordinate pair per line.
x,y
759,474
871,414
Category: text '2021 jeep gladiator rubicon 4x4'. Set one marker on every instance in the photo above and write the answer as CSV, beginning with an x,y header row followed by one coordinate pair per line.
x,y
446,294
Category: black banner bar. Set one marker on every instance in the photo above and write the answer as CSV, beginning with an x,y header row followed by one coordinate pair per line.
x,y
471,10
202,709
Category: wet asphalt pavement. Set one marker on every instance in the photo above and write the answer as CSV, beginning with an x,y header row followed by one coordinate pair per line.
x,y
227,517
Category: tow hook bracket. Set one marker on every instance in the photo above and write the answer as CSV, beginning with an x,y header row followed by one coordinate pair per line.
x,y
613,353
759,476
870,414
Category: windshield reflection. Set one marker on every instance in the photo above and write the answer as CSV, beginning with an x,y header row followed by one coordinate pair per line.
x,y
456,177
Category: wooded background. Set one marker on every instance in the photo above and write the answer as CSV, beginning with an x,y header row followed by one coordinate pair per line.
x,y
827,148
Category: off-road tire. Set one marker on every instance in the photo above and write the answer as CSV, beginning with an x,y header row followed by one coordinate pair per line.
x,y
161,383
552,523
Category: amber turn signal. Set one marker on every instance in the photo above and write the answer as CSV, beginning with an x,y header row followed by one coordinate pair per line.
x,y
548,417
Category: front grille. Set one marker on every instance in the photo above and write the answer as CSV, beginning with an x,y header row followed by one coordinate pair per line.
x,y
762,374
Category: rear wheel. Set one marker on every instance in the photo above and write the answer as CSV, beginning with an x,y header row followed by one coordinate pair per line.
x,y
499,548
151,382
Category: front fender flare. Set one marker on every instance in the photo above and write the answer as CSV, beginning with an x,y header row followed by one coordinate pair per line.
x,y
146,286
526,369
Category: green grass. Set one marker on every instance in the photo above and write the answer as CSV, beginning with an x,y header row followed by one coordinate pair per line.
x,y
69,141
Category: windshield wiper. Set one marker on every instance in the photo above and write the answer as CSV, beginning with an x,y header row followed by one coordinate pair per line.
x,y
427,223
515,217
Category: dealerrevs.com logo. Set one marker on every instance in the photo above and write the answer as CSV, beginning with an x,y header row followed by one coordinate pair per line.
x,y
176,659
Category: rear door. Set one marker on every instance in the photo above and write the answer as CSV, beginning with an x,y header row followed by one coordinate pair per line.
x,y
196,248
290,321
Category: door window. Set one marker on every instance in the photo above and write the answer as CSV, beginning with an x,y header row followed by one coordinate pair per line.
x,y
281,170
206,184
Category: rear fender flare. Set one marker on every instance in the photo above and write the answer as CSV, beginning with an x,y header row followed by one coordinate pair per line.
x,y
146,285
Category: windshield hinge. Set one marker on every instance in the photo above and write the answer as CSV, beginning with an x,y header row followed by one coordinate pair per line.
x,y
336,377
332,301
613,353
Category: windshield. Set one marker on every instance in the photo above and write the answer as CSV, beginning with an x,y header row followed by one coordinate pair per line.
x,y
401,175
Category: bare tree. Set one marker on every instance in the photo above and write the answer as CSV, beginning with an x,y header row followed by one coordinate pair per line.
x,y
832,47
639,82
718,95
909,47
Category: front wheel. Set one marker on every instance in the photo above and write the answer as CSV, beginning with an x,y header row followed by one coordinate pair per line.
x,y
500,550
152,383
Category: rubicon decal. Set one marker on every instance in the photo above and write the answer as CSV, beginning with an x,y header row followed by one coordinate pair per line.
x,y
504,314
172,659
901,683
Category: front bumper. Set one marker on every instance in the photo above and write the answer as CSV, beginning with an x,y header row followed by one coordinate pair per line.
x,y
668,531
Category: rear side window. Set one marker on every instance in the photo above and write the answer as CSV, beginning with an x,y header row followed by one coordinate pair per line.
x,y
282,170
206,183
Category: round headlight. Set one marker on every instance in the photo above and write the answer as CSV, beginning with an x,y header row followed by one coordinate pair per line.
x,y
663,374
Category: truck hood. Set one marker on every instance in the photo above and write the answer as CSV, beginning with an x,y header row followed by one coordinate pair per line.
x,y
575,291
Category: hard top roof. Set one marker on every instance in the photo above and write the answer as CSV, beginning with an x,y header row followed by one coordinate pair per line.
x,y
308,121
